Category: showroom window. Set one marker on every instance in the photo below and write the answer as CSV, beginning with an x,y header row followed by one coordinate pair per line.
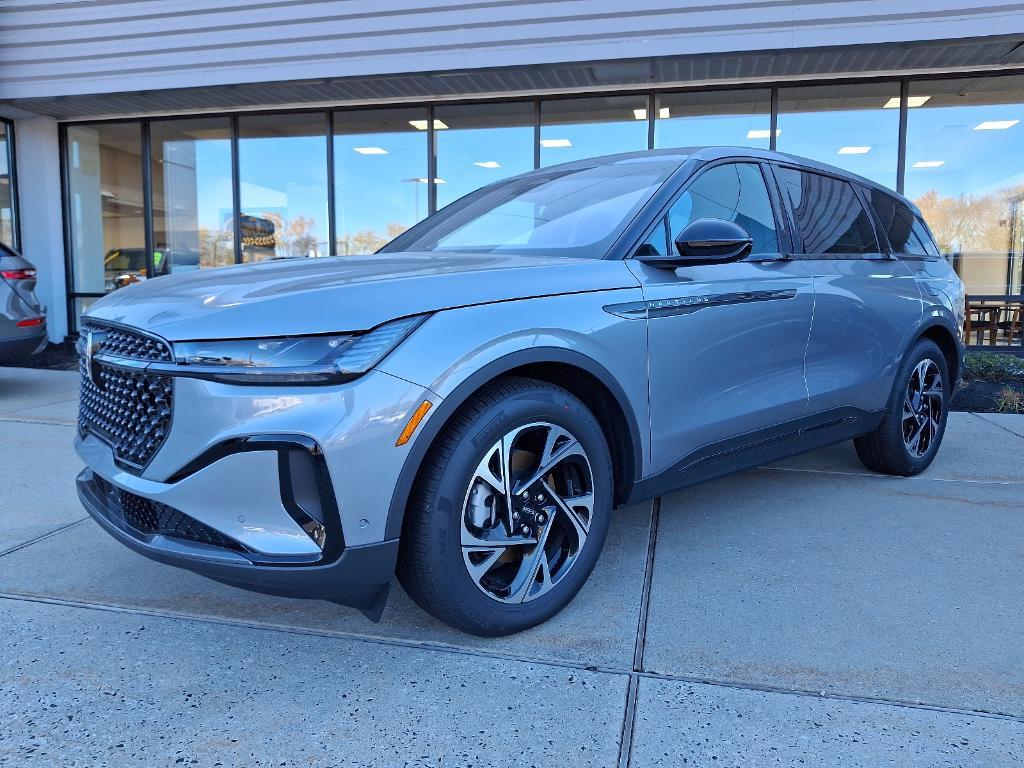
x,y
707,118
573,129
380,176
481,143
965,171
193,214
105,207
8,207
282,170
853,126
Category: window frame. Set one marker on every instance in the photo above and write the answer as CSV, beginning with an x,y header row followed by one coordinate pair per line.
x,y
797,235
661,218
12,175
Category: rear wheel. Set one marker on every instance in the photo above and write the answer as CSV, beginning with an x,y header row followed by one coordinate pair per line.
x,y
915,419
511,510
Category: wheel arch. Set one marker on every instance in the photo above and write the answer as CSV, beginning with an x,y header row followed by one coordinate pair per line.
x,y
575,372
946,338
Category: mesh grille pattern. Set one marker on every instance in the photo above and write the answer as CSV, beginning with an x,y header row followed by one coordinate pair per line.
x,y
125,343
129,409
151,517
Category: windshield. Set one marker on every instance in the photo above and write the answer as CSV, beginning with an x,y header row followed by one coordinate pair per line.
x,y
577,211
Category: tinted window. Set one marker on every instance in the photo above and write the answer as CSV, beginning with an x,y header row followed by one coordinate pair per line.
x,y
656,243
925,237
898,222
829,215
735,192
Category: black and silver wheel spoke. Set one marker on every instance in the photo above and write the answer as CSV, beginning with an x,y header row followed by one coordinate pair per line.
x,y
923,405
527,512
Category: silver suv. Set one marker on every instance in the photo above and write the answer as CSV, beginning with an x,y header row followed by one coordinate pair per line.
x,y
467,406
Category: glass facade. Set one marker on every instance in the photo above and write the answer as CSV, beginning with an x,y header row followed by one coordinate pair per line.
x,y
574,129
193,210
282,171
317,183
694,119
965,171
481,143
380,176
105,206
855,127
8,213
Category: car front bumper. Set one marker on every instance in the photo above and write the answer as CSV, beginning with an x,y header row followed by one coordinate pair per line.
x,y
284,491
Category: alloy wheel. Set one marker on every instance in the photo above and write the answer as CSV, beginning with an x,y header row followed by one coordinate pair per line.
x,y
922,408
527,512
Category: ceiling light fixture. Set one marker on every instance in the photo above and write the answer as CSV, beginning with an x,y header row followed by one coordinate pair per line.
x,y
854,150
929,163
912,101
370,150
552,143
488,164
762,133
421,125
995,125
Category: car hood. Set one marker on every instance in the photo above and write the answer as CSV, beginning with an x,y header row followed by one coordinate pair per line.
x,y
343,293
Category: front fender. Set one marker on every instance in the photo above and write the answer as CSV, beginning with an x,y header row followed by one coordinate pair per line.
x,y
457,352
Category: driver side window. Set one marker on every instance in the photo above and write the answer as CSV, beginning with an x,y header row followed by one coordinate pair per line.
x,y
735,192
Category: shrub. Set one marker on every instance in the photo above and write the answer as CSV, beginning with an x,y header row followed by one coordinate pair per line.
x,y
1010,400
994,366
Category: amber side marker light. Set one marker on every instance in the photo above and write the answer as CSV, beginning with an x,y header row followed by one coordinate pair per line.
x,y
414,422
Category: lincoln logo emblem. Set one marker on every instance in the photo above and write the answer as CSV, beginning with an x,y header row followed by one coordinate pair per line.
x,y
93,341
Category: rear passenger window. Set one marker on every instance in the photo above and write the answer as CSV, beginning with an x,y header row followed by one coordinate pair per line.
x,y
829,215
735,192
926,238
899,222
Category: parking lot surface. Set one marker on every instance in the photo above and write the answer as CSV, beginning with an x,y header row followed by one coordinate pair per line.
x,y
808,612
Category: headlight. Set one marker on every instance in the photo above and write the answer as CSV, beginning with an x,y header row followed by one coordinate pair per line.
x,y
291,360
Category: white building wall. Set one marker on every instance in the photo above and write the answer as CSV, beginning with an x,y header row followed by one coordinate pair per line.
x,y
42,232
53,47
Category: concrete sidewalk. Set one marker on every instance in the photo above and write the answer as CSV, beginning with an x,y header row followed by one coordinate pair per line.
x,y
809,612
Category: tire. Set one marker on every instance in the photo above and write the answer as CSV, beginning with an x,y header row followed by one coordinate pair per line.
x,y
891,449
450,561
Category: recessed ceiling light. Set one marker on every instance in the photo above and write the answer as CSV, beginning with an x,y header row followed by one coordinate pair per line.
x,y
640,114
929,163
995,125
424,181
854,150
489,164
664,112
759,133
370,150
551,143
421,125
912,101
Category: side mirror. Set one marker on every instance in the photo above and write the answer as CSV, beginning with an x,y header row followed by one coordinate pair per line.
x,y
705,241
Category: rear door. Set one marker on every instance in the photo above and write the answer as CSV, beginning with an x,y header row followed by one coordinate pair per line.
x,y
867,305
726,341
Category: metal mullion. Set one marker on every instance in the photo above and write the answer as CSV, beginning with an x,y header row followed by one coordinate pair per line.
x,y
536,133
12,177
431,163
901,153
236,190
773,123
651,105
147,199
65,198
332,212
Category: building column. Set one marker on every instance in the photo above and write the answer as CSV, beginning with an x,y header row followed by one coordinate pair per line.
x,y
39,214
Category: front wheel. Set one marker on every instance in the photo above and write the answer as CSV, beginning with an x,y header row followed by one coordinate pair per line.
x,y
511,510
915,418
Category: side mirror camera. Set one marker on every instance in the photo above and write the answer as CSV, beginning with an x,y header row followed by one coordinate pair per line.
x,y
705,241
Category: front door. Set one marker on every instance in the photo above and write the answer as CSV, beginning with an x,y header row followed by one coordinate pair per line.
x,y
725,342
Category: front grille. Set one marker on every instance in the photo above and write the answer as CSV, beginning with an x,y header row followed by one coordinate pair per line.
x,y
152,517
123,342
127,408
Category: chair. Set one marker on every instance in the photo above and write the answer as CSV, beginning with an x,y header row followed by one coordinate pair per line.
x,y
1010,322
